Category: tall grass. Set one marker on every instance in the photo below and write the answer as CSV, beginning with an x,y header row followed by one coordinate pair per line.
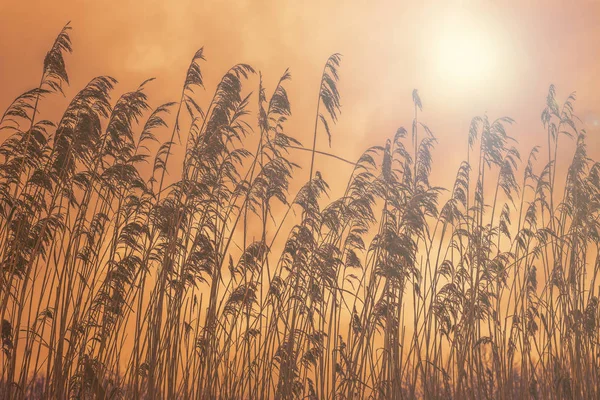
x,y
131,273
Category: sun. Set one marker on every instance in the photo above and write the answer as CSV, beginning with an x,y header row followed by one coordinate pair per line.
x,y
464,56
466,52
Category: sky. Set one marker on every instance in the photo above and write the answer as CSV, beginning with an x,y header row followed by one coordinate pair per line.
x,y
466,58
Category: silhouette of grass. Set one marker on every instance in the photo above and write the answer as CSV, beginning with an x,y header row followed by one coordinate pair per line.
x,y
121,284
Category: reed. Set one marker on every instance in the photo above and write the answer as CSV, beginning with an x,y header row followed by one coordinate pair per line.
x,y
130,273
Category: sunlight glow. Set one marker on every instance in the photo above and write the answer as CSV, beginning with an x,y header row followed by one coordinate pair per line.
x,y
466,52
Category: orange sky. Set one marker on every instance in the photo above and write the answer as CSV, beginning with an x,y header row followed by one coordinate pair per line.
x,y
389,48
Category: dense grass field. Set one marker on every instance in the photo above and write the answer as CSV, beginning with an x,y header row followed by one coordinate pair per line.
x,y
161,253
